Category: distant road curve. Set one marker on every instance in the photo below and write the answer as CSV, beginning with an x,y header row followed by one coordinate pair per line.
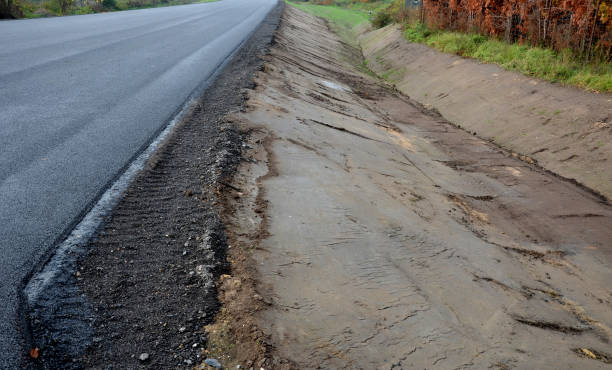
x,y
79,97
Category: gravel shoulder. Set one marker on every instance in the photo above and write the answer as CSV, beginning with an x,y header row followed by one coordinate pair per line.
x,y
80,98
367,231
146,289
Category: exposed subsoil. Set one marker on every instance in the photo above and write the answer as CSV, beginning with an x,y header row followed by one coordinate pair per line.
x,y
565,130
148,282
367,231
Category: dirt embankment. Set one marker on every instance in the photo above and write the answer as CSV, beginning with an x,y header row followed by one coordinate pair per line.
x,y
566,130
149,278
367,231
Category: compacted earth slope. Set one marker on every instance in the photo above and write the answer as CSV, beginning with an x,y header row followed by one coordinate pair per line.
x,y
366,231
566,130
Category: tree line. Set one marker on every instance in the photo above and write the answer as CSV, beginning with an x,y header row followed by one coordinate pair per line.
x,y
584,26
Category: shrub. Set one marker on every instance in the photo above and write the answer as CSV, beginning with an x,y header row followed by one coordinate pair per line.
x,y
109,4
85,9
382,19
10,9
417,32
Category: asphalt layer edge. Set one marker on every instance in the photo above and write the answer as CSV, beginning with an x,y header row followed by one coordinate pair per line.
x,y
37,332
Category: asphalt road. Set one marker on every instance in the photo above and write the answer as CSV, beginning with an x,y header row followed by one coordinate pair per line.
x,y
79,97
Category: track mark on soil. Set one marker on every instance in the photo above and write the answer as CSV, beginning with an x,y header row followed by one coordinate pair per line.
x,y
568,329
341,129
534,253
579,215
485,198
594,355
568,158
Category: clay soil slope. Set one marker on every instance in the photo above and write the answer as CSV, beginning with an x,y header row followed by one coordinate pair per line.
x,y
366,231
566,130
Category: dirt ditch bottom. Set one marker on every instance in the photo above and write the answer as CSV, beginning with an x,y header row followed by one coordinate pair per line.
x,y
365,231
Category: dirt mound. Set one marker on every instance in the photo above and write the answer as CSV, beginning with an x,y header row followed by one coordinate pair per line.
x,y
566,130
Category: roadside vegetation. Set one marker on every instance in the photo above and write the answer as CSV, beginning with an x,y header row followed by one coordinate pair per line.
x,y
342,10
563,42
544,63
344,20
51,8
550,46
347,17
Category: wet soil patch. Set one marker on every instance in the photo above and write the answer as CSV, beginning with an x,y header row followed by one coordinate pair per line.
x,y
144,292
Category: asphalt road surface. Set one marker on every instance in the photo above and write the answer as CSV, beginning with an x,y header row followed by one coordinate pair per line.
x,y
79,97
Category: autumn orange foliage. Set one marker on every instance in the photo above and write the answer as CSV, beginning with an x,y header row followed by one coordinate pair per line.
x,y
34,352
584,26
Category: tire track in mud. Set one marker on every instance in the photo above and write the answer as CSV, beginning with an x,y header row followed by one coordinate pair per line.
x,y
147,283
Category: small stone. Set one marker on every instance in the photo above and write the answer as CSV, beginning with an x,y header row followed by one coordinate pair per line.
x,y
212,362
143,357
182,329
194,345
184,253
188,362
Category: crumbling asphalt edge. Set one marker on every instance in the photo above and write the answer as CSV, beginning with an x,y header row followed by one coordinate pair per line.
x,y
66,298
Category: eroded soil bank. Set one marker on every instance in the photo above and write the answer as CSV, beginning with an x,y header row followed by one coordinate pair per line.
x,y
566,130
366,231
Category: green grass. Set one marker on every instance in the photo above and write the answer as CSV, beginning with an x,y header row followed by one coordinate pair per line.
x,y
370,6
537,62
562,67
341,20
344,17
